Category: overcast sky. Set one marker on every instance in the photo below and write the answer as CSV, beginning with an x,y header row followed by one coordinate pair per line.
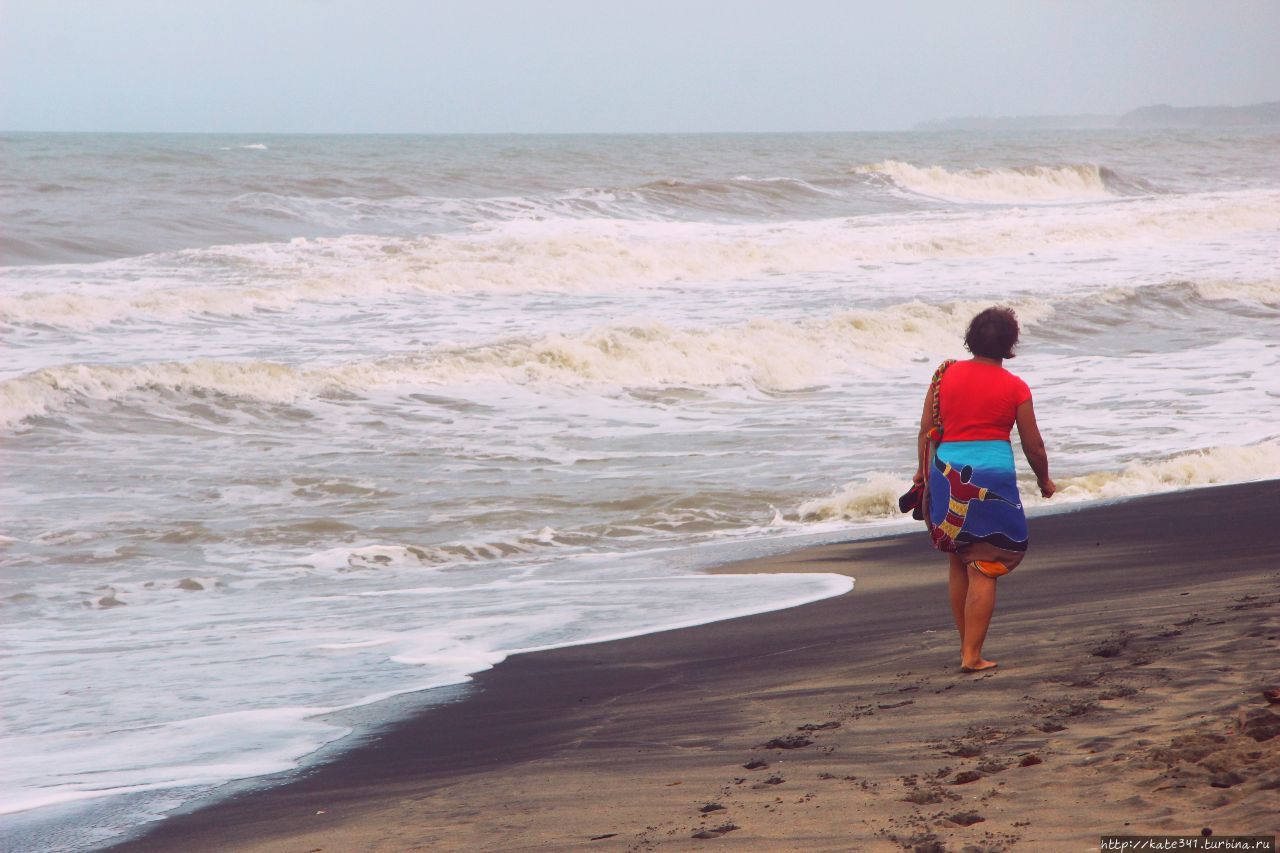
x,y
615,65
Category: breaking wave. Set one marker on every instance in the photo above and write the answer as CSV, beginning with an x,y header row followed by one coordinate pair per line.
x,y
1016,185
1212,290
581,255
766,354
337,209
876,496
762,353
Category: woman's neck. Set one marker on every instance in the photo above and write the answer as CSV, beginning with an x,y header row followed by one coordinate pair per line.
x,y
982,359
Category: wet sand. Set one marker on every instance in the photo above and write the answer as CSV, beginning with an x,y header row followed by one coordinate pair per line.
x,y
1135,642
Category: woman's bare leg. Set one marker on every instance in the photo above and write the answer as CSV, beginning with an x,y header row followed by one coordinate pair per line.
x,y
958,586
979,604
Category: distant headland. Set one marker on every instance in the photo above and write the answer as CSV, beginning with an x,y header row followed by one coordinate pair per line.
x,y
1159,115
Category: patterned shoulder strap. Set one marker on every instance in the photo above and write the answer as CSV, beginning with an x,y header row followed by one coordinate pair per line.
x,y
935,434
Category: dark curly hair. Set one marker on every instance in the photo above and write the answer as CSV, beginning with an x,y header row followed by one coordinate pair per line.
x,y
993,333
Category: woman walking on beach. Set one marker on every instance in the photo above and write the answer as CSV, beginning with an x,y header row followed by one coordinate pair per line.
x,y
970,502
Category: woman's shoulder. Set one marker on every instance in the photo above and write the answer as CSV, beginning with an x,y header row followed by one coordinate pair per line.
x,y
1015,377
1021,390
987,374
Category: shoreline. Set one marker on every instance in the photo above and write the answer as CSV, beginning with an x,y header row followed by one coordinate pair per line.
x,y
549,747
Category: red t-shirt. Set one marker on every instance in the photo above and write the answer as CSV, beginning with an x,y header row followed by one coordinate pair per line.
x,y
979,401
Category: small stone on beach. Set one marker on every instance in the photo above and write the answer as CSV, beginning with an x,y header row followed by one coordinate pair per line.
x,y
966,818
716,832
816,727
1261,725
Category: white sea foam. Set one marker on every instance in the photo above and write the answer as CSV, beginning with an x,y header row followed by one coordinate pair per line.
x,y
762,353
374,557
876,496
1207,467
1262,292
590,256
183,753
1018,185
107,760
401,557
868,498
766,354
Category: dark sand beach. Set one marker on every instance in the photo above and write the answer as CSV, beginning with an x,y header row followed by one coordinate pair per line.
x,y
1134,643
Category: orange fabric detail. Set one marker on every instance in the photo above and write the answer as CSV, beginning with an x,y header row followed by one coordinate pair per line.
x,y
980,401
990,568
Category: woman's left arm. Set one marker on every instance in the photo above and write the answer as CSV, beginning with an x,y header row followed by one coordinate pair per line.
x,y
1033,447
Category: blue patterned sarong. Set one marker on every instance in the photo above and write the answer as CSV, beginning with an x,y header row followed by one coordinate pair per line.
x,y
974,509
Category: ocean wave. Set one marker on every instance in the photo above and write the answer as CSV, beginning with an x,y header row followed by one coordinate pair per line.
x,y
764,354
1073,182
871,498
421,213
278,205
1208,467
653,201
875,497
1107,306
742,194
396,557
1174,293
584,256
184,753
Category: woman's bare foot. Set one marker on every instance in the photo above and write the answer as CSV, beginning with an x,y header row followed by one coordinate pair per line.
x,y
979,666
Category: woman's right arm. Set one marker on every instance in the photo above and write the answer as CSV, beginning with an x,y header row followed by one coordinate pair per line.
x,y
922,439
1033,448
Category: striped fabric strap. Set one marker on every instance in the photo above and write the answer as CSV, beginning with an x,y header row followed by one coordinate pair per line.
x,y
935,434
